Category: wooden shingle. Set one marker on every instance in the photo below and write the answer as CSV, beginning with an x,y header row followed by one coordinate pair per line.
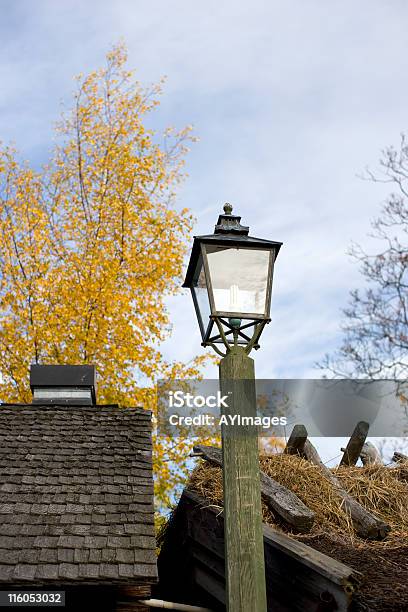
x,y
76,495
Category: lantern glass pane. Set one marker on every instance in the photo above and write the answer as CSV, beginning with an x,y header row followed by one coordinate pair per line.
x,y
201,294
239,279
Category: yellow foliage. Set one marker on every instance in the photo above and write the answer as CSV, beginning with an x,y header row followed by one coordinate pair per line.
x,y
90,248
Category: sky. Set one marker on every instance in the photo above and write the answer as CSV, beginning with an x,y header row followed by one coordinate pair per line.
x,y
291,100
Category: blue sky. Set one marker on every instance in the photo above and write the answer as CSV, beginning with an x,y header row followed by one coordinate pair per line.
x,y
290,100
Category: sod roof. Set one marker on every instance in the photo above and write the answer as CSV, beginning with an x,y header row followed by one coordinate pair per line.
x,y
382,490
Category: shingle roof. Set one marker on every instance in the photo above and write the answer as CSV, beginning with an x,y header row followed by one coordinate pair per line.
x,y
76,495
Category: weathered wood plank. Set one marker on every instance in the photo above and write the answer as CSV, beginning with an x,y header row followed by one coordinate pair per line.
x,y
366,524
312,588
326,566
399,457
296,440
369,454
131,606
355,444
246,586
281,500
317,575
126,592
128,598
286,504
208,582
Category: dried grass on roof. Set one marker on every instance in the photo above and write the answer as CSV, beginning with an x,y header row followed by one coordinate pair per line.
x,y
382,491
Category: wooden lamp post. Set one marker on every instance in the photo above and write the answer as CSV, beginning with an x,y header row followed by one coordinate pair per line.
x,y
230,277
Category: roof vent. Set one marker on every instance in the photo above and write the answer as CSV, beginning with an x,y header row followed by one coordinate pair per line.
x,y
63,384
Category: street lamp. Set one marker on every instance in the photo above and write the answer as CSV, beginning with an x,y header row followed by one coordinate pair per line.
x,y
230,278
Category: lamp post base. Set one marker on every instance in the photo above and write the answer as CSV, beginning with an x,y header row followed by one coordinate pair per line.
x,y
244,553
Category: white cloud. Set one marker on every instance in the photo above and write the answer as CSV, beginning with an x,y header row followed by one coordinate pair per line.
x,y
290,100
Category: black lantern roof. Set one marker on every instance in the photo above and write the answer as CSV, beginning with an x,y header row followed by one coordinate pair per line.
x,y
245,304
228,231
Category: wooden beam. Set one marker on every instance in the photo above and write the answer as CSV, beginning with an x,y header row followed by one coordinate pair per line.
x,y
245,570
330,568
208,582
399,457
369,454
281,500
366,524
296,440
355,444
128,597
134,592
286,504
317,575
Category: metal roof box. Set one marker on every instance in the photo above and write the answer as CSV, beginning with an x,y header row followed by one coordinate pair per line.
x,y
63,384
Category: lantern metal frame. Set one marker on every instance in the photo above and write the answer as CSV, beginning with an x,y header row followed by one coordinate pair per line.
x,y
224,327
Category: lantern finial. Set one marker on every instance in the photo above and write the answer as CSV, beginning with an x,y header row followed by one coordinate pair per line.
x,y
229,223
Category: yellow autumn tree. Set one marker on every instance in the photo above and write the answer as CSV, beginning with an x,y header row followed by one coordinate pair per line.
x,y
91,246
